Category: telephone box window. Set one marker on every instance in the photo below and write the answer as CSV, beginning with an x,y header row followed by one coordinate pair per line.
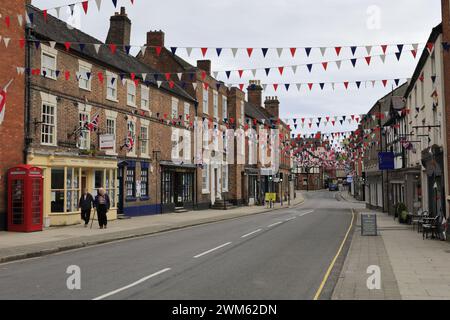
x,y
17,202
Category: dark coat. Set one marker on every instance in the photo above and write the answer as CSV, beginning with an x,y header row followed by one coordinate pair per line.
x,y
107,202
86,204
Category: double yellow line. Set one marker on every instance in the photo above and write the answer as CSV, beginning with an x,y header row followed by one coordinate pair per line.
x,y
325,278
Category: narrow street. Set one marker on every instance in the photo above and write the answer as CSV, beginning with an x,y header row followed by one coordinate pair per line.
x,y
282,254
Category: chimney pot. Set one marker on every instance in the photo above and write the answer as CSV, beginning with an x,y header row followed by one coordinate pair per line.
x,y
120,29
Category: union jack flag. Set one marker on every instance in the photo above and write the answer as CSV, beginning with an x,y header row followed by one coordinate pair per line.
x,y
93,125
129,142
3,101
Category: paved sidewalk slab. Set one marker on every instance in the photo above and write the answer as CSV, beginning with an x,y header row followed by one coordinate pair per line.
x,y
411,268
16,246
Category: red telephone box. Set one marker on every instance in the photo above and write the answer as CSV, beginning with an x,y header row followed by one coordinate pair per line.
x,y
25,186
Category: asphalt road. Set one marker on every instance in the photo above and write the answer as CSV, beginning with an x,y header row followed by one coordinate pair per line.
x,y
283,254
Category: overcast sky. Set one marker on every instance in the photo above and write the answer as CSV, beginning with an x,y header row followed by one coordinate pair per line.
x,y
284,23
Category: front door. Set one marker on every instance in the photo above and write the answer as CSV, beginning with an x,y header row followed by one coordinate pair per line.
x,y
178,189
121,187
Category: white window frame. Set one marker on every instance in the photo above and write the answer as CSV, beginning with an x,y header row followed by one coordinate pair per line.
x,y
224,107
113,132
205,101
225,177
83,69
242,113
216,104
109,85
144,140
205,175
131,85
187,146
174,109
187,109
53,53
50,100
145,97
84,142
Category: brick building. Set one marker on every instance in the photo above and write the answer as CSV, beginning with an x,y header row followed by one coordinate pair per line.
x,y
12,129
135,113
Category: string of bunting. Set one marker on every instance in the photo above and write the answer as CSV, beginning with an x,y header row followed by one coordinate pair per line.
x,y
101,76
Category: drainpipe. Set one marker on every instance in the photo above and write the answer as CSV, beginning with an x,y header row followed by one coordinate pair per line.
x,y
27,129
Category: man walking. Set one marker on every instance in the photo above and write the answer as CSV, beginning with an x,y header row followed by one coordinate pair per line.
x,y
85,204
102,204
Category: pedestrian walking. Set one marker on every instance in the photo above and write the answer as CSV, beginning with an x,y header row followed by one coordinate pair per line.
x,y
85,204
102,205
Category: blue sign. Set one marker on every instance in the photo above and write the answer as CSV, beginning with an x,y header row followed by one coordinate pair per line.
x,y
386,161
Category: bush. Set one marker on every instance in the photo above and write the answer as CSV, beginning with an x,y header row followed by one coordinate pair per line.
x,y
402,212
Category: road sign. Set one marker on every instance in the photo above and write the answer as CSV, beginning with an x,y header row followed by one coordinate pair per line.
x,y
369,224
271,197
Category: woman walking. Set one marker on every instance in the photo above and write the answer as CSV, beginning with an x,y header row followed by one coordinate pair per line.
x,y
102,205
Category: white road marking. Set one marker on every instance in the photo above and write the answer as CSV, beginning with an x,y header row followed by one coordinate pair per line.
x,y
290,219
132,284
275,224
305,213
209,251
249,234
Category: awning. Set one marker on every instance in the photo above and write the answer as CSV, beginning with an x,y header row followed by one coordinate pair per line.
x,y
180,165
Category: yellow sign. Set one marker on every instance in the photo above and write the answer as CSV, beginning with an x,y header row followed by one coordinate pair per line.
x,y
271,197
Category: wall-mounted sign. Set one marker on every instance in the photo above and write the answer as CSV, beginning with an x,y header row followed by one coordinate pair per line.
x,y
107,141
386,161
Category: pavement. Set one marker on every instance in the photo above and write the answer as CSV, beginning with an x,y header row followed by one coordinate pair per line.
x,y
278,254
16,246
411,268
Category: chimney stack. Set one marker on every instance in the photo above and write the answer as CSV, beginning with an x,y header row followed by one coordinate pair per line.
x,y
120,29
255,93
273,106
155,38
205,65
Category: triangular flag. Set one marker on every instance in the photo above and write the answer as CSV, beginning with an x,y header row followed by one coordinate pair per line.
x,y
294,69
383,58
299,86
218,51
369,50
279,51
338,50
293,50
275,86
384,48
308,51
114,3
234,51
368,60
267,71
99,4
414,53
173,50
264,51
338,64
188,51
249,52
97,47
204,50
85,5
281,69
353,50
325,65
309,66
353,62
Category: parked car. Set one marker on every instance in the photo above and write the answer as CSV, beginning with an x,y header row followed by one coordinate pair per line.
x,y
333,187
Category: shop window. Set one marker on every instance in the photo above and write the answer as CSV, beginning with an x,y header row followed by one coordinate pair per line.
x,y
130,182
72,189
144,182
57,190
225,178
205,179
166,187
111,186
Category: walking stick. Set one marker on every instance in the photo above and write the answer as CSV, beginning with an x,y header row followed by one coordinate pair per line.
x,y
92,222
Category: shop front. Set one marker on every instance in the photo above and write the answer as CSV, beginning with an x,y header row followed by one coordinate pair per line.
x,y
66,177
177,186
253,185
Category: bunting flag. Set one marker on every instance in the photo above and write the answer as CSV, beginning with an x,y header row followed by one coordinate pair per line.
x,y
3,101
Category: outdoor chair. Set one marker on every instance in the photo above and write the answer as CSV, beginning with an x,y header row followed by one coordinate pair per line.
x,y
430,226
423,215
